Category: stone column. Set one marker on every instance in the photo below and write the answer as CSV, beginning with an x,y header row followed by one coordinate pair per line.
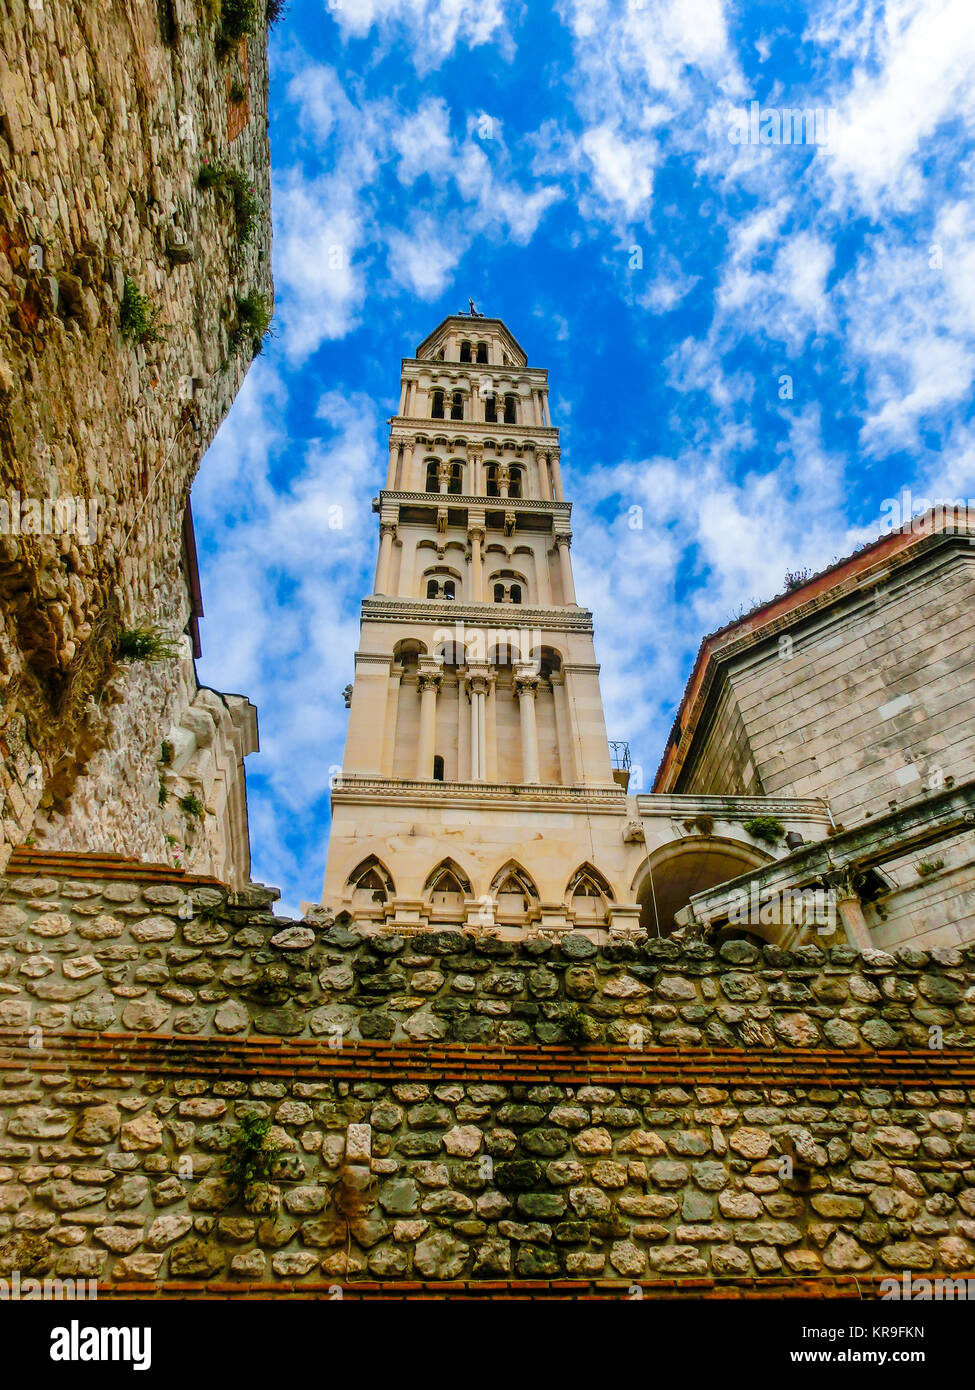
x,y
562,737
490,729
526,688
544,484
851,915
476,534
565,565
394,452
429,683
553,459
387,534
477,685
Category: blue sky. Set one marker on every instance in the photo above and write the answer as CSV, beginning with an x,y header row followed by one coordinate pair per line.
x,y
570,166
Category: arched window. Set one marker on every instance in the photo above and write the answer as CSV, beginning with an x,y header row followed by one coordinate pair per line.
x,y
438,768
491,483
457,406
448,589
465,352
482,352
447,887
433,589
516,593
437,408
370,883
588,894
433,476
499,593
509,410
491,410
513,892
456,481
514,483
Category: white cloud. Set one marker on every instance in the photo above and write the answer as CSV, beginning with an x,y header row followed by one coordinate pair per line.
x,y
433,29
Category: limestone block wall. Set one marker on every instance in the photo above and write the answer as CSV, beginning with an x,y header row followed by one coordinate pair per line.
x,y
108,113
871,702
449,1106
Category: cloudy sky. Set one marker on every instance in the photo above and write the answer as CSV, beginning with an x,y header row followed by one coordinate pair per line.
x,y
751,344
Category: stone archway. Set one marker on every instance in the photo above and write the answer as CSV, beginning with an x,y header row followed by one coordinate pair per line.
x,y
685,867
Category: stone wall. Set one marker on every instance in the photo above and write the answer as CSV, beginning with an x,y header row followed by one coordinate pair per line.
x,y
457,1107
108,113
864,699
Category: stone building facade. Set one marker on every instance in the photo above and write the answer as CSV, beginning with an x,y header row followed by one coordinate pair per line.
x,y
856,688
109,116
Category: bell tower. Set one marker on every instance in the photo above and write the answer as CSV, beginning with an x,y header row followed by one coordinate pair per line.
x,y
476,762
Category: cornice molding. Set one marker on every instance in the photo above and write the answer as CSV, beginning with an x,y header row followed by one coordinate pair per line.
x,y
485,504
445,613
490,796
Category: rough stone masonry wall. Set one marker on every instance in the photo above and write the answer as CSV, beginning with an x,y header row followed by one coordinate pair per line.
x,y
108,112
432,1120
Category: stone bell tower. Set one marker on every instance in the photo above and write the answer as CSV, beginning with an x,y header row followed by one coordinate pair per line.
x,y
476,785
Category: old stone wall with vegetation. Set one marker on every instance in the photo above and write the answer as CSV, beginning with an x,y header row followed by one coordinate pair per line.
x,y
135,264
196,1093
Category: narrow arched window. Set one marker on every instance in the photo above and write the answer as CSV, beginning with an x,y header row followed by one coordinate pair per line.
x,y
492,480
433,476
456,483
437,410
499,593
514,483
509,410
438,768
465,352
516,593
433,589
448,589
482,352
491,410
457,406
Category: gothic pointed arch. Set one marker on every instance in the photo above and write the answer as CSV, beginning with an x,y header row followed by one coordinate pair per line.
x,y
446,889
588,894
371,882
513,891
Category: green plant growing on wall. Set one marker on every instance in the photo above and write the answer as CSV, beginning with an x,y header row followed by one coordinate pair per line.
x,y
576,1025
144,644
192,807
253,321
275,11
929,866
765,828
138,316
238,18
250,1158
163,792
216,175
166,753
704,824
237,93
